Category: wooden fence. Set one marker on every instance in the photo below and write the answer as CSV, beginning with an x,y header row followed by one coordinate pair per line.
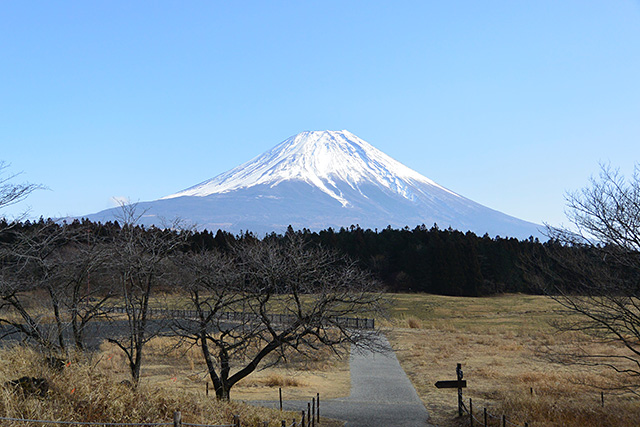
x,y
486,416
243,316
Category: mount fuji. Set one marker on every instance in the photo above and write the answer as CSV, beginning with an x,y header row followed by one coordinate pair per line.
x,y
322,179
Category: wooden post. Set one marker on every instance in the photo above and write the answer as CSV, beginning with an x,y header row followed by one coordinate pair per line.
x,y
602,398
302,420
470,412
459,374
313,412
318,407
309,413
485,417
177,419
207,389
280,392
531,389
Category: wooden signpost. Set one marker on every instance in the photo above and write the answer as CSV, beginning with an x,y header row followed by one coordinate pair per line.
x,y
459,384
451,384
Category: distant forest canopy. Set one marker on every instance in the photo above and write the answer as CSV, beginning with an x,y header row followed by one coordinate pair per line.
x,y
430,260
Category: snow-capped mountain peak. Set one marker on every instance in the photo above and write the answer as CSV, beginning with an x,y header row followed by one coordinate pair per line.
x,y
322,179
325,159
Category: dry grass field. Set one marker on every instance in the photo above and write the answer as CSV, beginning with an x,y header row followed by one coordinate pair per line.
x,y
173,375
180,368
90,390
500,341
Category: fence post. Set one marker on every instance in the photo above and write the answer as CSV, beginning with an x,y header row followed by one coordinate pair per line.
x,y
318,407
309,413
302,420
470,412
602,398
313,411
280,393
207,389
504,420
177,419
485,417
459,375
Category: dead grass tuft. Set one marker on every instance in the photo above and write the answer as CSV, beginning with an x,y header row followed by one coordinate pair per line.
x,y
414,323
275,380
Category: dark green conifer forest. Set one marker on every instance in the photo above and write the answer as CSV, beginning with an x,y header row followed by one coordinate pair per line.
x,y
431,260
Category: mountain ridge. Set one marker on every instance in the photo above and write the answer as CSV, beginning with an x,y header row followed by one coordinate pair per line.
x,y
321,179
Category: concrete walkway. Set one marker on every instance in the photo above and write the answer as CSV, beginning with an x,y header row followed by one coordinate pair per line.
x,y
381,395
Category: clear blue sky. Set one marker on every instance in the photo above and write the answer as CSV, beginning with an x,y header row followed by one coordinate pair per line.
x,y
509,103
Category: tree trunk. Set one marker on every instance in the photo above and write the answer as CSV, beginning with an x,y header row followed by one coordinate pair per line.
x,y
77,331
77,334
56,313
222,392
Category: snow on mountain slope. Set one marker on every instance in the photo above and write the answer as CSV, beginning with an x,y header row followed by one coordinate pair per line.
x,y
320,158
324,179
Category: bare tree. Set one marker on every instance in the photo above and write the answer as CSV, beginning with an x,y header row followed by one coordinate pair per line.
x,y
593,270
140,262
214,286
19,251
10,192
45,271
269,298
81,282
27,270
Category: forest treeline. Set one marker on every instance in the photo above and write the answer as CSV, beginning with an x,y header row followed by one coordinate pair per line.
x,y
422,259
436,261
444,262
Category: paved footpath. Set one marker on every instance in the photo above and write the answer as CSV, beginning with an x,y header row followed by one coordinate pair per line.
x,y
381,395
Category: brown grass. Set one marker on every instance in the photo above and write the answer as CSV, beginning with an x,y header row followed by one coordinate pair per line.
x,y
501,343
275,380
179,367
87,390
414,323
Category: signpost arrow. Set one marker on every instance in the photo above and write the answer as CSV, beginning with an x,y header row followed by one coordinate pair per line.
x,y
459,384
451,384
